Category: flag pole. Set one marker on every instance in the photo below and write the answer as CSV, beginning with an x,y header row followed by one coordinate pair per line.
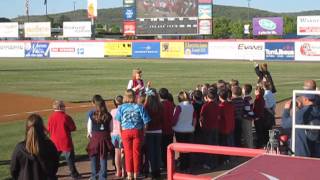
x,y
46,3
27,9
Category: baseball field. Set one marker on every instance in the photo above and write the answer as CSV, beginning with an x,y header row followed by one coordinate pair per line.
x,y
30,85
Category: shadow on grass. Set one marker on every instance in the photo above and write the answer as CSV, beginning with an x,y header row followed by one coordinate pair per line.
x,y
4,162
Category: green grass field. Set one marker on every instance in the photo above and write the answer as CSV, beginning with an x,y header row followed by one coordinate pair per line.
x,y
78,80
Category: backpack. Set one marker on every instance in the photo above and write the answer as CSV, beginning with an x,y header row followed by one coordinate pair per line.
x,y
310,119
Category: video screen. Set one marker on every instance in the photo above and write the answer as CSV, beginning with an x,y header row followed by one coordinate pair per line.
x,y
166,8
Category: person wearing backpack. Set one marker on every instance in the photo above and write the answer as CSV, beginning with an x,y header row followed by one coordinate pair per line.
x,y
308,114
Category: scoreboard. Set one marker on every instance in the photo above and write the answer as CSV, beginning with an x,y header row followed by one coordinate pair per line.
x,y
167,17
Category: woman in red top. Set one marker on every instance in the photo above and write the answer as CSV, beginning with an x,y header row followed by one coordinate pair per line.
x,y
60,126
137,83
154,131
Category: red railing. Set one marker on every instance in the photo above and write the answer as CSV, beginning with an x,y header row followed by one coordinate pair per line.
x,y
197,148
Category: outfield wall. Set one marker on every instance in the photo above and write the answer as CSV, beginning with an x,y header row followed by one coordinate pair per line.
x,y
284,50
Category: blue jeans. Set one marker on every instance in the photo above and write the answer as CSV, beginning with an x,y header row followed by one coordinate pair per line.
x,y
153,142
103,168
70,159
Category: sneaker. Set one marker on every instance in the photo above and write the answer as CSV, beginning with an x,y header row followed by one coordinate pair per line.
x,y
76,176
207,167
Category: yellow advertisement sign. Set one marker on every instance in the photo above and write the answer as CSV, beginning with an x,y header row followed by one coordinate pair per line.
x,y
118,49
92,8
172,50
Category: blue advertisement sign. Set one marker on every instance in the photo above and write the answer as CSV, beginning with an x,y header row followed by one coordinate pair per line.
x,y
129,13
196,48
37,49
280,51
146,50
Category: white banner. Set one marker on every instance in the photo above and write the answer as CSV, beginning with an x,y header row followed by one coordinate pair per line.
x,y
11,49
37,29
308,25
77,29
307,51
9,30
77,49
237,50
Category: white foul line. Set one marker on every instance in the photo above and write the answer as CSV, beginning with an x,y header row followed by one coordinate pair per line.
x,y
44,110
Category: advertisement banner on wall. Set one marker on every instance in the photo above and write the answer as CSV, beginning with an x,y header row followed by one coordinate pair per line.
x,y
146,49
9,30
308,25
118,49
307,51
172,50
205,27
37,50
250,50
223,50
196,49
268,26
11,49
205,11
92,9
129,28
129,13
280,51
77,29
77,50
37,29
237,50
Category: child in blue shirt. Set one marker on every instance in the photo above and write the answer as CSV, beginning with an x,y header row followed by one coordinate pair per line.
x,y
133,119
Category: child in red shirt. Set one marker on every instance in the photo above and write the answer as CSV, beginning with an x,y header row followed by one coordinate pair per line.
x,y
258,109
167,123
227,121
209,125
60,126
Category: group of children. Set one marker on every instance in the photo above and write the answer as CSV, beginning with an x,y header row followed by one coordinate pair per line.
x,y
145,121
218,114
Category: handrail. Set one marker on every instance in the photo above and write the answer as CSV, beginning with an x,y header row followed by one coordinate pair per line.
x,y
198,148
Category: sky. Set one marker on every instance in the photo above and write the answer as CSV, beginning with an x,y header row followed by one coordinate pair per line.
x,y
14,8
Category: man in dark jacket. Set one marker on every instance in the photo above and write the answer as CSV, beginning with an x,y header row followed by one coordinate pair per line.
x,y
264,75
303,145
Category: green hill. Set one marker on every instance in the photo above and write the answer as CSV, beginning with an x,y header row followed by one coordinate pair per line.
x,y
113,16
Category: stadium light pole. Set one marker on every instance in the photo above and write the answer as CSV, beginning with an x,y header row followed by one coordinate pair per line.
x,y
74,6
46,4
249,10
27,9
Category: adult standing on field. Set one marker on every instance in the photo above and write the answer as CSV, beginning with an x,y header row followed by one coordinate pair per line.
x,y
35,158
136,83
264,75
60,126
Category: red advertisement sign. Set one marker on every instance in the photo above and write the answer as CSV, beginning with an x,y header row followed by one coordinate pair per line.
x,y
205,1
129,28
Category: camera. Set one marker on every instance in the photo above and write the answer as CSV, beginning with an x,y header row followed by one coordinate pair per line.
x,y
278,143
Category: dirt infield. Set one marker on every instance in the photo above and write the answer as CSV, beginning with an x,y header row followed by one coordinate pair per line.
x,y
17,107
